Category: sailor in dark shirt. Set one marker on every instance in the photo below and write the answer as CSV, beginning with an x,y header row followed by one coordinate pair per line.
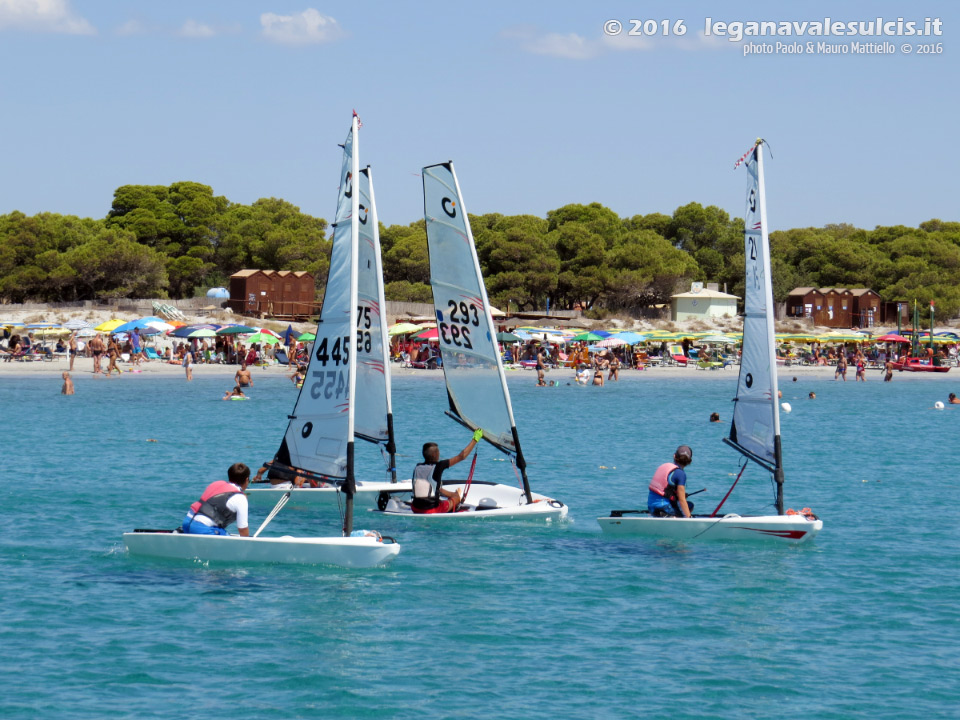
x,y
428,493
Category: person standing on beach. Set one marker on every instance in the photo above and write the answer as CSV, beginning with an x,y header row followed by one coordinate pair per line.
x,y
113,352
841,367
72,349
861,370
222,503
667,495
614,367
541,366
96,349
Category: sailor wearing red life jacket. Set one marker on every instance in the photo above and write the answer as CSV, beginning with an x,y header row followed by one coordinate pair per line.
x,y
221,504
668,491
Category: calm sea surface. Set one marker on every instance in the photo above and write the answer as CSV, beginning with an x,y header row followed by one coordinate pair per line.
x,y
486,620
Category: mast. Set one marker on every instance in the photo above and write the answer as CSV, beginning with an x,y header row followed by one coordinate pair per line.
x,y
768,296
521,463
350,486
391,445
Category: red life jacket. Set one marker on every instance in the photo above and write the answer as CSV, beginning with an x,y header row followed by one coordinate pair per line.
x,y
661,478
213,503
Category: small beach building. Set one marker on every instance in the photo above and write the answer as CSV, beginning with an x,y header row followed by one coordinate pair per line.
x,y
866,307
806,302
702,302
839,306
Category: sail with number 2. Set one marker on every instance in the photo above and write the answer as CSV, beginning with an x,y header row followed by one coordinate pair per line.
x,y
476,384
755,430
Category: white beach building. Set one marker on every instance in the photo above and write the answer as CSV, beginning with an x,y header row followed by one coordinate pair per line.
x,y
702,302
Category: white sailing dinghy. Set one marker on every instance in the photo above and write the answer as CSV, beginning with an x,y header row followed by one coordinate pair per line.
x,y
476,384
755,431
320,460
319,440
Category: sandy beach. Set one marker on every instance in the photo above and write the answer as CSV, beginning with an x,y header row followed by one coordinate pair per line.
x,y
83,366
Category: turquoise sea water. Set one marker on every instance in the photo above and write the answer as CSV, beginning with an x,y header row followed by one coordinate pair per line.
x,y
486,620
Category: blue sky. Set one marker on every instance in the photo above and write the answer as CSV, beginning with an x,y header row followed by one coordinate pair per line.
x,y
536,107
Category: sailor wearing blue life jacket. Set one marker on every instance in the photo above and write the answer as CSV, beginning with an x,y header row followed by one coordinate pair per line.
x,y
221,504
668,489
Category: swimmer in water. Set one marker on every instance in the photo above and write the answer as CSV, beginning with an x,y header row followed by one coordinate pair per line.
x,y
67,388
236,392
812,395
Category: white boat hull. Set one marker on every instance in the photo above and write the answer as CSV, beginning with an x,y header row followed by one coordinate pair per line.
x,y
764,528
350,552
486,501
366,494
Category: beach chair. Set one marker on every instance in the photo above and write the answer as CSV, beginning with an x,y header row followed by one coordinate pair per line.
x,y
150,354
281,357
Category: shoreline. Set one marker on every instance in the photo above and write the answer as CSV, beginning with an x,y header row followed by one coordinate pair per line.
x,y
83,367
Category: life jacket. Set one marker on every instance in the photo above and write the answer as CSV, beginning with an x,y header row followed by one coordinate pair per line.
x,y
661,478
213,503
425,491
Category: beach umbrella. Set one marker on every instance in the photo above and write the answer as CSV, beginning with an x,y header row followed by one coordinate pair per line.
x,y
157,326
630,338
183,332
402,328
13,324
263,338
307,337
201,333
892,337
86,332
587,337
506,337
288,333
50,331
109,325
428,334
76,324
612,341
718,339
235,330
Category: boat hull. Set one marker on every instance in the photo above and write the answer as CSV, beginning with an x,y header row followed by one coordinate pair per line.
x,y
366,494
349,552
765,528
486,501
919,365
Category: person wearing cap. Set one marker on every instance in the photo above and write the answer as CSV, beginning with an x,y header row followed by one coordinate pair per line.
x,y
428,493
221,504
668,489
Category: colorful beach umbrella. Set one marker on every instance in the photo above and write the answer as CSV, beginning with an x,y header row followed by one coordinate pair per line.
x,y
402,328
264,338
587,337
428,334
507,337
235,330
109,325
307,337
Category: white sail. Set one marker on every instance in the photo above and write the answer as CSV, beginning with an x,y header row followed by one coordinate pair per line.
x,y
476,385
373,368
321,425
756,420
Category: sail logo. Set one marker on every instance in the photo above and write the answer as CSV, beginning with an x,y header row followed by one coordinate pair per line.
x,y
449,207
363,215
348,185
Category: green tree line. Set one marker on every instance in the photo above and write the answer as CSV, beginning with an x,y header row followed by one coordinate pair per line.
x,y
169,241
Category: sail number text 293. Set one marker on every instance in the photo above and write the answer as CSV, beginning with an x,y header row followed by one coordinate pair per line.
x,y
462,316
